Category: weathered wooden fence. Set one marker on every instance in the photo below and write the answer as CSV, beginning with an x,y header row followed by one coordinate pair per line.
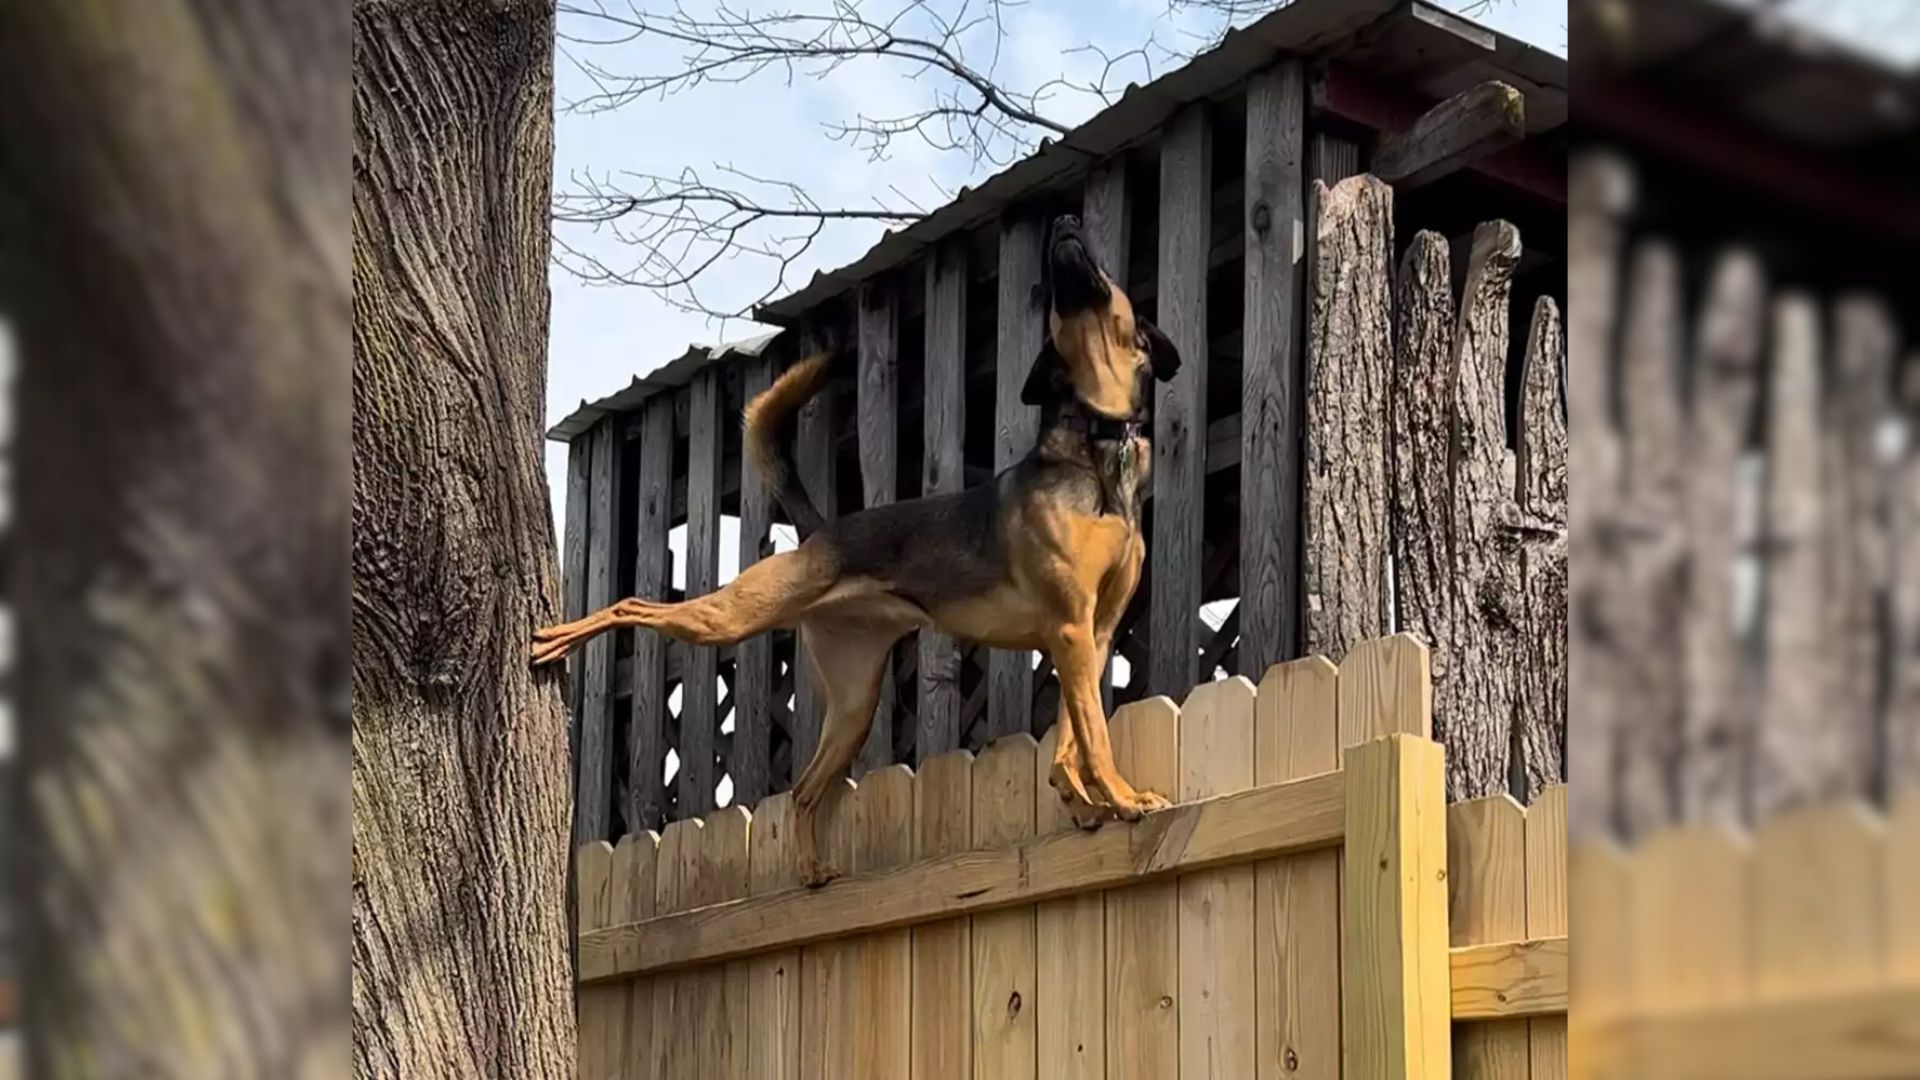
x,y
1790,952
1290,918
1749,563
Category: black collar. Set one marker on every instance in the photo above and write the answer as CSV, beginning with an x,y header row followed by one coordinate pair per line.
x,y
1099,428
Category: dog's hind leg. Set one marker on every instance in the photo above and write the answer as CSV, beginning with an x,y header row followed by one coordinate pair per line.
x,y
771,593
848,654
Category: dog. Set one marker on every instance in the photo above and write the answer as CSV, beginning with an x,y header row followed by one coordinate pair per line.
x,y
1045,556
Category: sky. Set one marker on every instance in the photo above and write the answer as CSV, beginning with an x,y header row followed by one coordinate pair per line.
x,y
603,335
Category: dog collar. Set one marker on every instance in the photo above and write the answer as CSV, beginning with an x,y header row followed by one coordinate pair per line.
x,y
1105,427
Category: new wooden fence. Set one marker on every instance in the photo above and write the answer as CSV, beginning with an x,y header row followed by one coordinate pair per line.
x,y
1788,953
1291,917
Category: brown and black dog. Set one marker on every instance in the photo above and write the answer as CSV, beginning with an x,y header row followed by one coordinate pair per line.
x,y
1046,556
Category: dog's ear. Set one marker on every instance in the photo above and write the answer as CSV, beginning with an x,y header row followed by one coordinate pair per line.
x,y
1161,355
1042,387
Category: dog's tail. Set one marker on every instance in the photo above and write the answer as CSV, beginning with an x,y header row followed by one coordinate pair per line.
x,y
769,426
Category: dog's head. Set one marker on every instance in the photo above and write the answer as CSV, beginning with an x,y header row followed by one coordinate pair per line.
x,y
1095,349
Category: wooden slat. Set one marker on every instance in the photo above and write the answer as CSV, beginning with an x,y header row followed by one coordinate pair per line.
x,y
1601,987
1003,943
1385,689
942,951
877,395
652,575
600,1006
945,429
1180,411
1817,891
1903,704
1348,357
1396,995
773,979
1793,706
1070,945
883,980
1600,193
1547,917
676,997
750,763
829,1028
1452,135
632,898
1217,995
1487,904
1726,386
1510,980
593,793
1903,887
1297,899
1143,921
1272,372
1690,934
1652,550
722,1033
1844,756
1022,328
1863,1035
699,695
574,561
816,457
1261,823
1107,220
1541,705
1331,159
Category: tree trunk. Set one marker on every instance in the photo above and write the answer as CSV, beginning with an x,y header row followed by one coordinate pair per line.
x,y
174,269
460,786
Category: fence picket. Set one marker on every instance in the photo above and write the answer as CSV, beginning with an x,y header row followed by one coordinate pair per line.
x,y
1487,903
1217,978
942,951
882,983
1903,887
676,997
829,1028
1003,942
1069,950
1297,899
632,899
773,979
1143,942
1685,953
1817,891
1546,842
600,1006
724,872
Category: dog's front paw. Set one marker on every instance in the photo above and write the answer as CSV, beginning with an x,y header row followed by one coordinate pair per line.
x,y
1140,805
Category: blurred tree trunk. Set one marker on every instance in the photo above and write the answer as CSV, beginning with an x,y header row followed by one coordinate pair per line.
x,y
460,774
172,263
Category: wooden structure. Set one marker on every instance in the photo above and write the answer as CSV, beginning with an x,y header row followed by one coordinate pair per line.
x,y
1748,570
1306,495
1311,908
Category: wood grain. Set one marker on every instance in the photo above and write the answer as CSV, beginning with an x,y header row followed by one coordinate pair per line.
x,y
942,951
1070,945
878,399
1022,328
1509,980
699,689
573,565
1541,711
830,1029
599,1007
1297,899
773,979
1143,921
1547,917
1217,1003
751,762
724,873
632,898
1396,994
593,792
1180,410
1487,904
1272,372
882,1008
1107,219
1003,942
652,574
1452,135
943,473
817,458
676,997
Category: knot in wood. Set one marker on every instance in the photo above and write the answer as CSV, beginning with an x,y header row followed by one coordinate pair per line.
x,y
1262,217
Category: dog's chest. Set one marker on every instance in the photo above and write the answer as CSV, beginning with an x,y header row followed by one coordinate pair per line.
x,y
1122,466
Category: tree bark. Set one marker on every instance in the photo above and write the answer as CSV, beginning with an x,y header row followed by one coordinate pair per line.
x,y
175,272
460,786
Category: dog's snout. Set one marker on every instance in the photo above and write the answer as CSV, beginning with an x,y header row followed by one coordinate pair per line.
x,y
1066,221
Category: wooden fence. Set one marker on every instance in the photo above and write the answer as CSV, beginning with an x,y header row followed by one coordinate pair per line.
x,y
1289,918
1749,562
1791,952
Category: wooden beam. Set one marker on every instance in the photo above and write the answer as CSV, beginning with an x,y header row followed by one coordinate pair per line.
x,y
1106,216
1396,1000
1272,372
750,761
1180,415
1257,823
877,395
1453,135
942,473
1509,979
593,793
1022,327
652,575
699,693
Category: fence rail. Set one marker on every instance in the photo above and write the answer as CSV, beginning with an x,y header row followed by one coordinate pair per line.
x,y
1289,917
